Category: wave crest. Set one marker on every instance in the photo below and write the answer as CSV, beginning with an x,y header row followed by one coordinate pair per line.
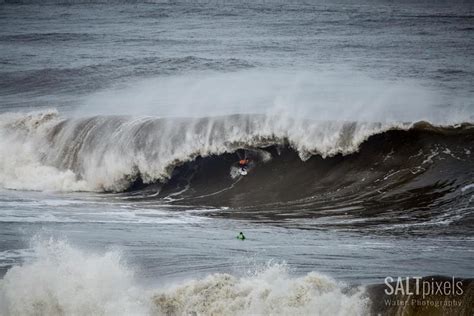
x,y
42,151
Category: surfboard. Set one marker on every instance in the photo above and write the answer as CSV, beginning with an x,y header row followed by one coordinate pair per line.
x,y
243,171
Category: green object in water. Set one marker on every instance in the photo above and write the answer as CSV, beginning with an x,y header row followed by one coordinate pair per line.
x,y
241,236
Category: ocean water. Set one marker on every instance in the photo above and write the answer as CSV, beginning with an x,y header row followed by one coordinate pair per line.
x,y
122,122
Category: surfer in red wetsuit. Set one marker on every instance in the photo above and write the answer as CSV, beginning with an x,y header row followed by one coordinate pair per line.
x,y
243,163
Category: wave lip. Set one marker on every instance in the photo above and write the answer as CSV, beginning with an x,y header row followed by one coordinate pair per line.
x,y
42,151
108,153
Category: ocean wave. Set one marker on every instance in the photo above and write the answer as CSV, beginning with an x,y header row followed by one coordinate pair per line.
x,y
107,153
270,292
67,79
42,151
47,37
53,283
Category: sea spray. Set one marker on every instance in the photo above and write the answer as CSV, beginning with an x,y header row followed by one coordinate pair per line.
x,y
272,291
64,280
107,153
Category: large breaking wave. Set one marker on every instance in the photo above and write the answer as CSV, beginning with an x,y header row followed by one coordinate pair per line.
x,y
318,168
42,151
106,153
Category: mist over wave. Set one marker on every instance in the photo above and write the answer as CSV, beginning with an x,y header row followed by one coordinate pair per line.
x,y
334,93
167,121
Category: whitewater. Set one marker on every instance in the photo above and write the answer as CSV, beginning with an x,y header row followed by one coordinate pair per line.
x,y
42,151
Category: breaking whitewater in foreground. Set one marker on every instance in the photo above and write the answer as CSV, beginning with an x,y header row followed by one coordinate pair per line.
x,y
54,284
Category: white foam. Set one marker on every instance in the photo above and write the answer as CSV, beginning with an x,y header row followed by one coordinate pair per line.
x,y
12,256
467,187
270,292
103,151
97,215
66,281
63,280
20,155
